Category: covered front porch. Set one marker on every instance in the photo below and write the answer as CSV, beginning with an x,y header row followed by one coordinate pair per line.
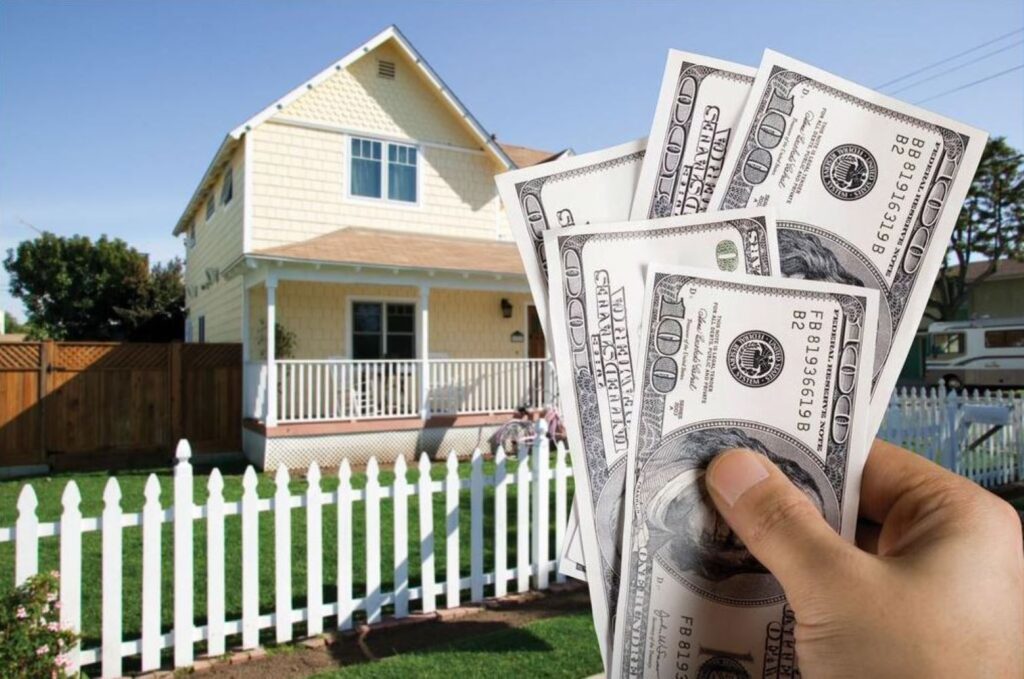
x,y
349,349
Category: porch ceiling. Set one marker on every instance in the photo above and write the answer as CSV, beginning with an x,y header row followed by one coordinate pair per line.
x,y
397,249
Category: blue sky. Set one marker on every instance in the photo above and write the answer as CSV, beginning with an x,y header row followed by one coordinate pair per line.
x,y
110,111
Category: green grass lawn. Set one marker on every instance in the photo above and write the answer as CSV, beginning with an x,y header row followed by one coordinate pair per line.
x,y
91,485
563,646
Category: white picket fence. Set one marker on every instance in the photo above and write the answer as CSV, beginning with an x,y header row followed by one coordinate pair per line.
x,y
979,435
533,479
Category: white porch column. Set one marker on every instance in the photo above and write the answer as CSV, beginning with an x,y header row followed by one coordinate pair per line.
x,y
246,349
424,351
247,389
270,417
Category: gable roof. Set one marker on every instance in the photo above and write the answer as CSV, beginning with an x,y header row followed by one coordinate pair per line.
x,y
386,248
391,33
1008,268
524,156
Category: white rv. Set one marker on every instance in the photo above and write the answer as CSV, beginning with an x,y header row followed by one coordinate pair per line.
x,y
981,353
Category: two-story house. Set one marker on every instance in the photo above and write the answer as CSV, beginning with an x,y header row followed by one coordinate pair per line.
x,y
350,236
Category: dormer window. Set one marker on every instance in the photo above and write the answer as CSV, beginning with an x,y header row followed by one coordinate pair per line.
x,y
227,191
211,205
368,178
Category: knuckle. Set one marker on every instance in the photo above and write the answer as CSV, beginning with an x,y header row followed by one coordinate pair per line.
x,y
1006,518
778,514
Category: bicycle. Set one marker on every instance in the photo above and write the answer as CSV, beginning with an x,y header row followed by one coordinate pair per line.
x,y
522,430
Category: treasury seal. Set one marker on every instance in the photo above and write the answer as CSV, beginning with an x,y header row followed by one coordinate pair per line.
x,y
755,358
849,172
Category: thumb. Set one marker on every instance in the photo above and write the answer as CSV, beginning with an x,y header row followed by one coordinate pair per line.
x,y
777,522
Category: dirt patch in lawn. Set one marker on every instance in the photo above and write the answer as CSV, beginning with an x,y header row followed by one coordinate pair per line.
x,y
395,637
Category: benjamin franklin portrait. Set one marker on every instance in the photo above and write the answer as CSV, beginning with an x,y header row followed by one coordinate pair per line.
x,y
690,538
803,255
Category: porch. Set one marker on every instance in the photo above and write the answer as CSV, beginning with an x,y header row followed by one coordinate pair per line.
x,y
348,390
391,342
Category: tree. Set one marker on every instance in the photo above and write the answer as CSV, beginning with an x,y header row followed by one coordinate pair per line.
x,y
77,289
12,326
990,227
159,312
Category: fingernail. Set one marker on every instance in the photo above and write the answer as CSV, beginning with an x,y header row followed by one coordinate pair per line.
x,y
734,472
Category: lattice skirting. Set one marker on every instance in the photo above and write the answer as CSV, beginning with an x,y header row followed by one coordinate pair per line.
x,y
330,449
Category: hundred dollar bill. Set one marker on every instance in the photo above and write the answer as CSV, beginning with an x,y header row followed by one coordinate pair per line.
x,y
698,107
875,184
592,188
597,275
570,561
778,366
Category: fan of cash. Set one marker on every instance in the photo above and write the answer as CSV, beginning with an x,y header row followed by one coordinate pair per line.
x,y
751,275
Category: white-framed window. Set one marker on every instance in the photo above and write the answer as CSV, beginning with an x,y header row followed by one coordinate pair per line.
x,y
383,330
227,190
383,170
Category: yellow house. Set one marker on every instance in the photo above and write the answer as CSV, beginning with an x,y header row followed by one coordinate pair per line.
x,y
351,238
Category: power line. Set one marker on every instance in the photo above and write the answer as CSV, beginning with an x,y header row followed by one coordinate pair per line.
x,y
957,67
971,84
948,59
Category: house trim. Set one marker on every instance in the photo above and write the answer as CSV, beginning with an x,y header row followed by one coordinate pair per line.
x,y
389,33
257,269
369,134
232,139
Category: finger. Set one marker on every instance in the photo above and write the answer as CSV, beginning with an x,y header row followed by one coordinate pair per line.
x,y
776,521
891,473
868,533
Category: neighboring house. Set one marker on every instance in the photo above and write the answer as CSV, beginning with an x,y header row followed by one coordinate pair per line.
x,y
357,216
1001,295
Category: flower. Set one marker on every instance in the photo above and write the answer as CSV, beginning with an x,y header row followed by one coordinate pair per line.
x,y
43,650
51,597
55,575
21,613
62,661
53,627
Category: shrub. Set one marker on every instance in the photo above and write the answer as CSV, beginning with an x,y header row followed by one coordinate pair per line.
x,y
33,644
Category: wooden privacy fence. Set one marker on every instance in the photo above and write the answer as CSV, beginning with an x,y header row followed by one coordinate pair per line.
x,y
64,403
979,435
532,480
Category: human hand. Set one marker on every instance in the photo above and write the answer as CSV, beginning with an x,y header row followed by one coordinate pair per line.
x,y
934,587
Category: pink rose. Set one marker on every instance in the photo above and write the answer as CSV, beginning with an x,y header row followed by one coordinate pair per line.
x,y
43,650
21,613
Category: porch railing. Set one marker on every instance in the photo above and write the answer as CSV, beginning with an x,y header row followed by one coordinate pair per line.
x,y
464,386
347,390
325,390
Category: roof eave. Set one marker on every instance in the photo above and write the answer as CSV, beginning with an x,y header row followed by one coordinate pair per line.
x,y
284,259
223,151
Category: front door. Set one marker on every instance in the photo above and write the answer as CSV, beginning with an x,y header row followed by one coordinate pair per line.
x,y
535,334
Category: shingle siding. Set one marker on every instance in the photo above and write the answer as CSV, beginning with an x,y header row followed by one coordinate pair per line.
x,y
300,174
218,244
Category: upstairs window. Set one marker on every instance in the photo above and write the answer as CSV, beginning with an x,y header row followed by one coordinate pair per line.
x,y
211,205
368,178
366,162
402,173
202,329
227,191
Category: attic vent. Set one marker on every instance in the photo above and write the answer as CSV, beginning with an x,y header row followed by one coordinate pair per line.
x,y
385,69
